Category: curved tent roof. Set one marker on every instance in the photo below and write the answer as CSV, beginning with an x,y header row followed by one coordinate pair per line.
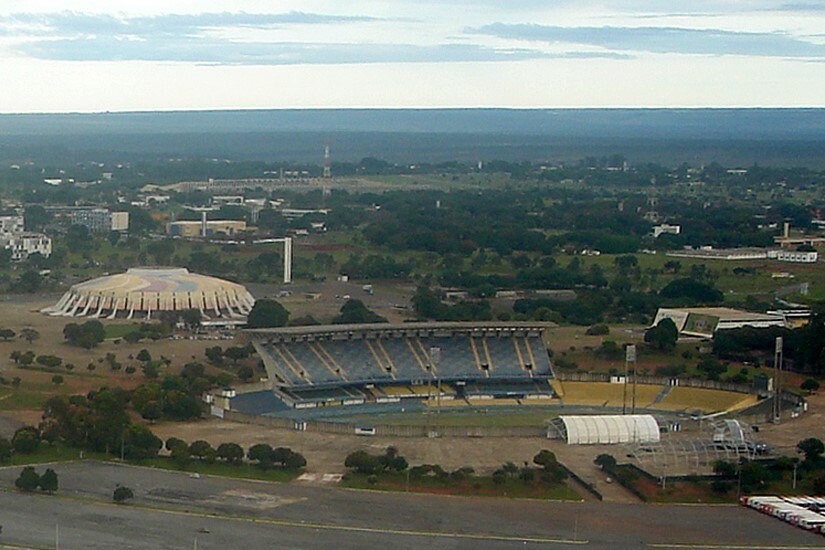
x,y
607,429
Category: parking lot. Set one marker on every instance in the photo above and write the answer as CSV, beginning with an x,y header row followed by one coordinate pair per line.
x,y
171,510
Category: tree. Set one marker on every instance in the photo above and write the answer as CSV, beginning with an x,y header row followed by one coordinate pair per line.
x,y
29,334
663,336
245,373
725,469
262,453
26,440
174,442
28,480
712,368
50,361
143,356
87,335
812,448
354,312
362,462
267,313
140,442
121,494
202,450
230,452
810,385
545,458
690,291
6,334
605,461
214,355
48,481
151,411
236,353
57,379
6,449
288,458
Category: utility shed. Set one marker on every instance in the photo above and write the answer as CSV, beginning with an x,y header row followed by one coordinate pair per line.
x,y
606,429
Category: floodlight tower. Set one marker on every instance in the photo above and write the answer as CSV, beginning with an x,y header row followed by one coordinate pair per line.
x,y
777,380
327,162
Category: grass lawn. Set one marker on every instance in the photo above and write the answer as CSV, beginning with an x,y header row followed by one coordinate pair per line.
x,y
467,416
49,453
241,471
119,331
471,486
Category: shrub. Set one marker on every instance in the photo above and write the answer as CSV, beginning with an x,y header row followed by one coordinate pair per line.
x,y
122,494
598,330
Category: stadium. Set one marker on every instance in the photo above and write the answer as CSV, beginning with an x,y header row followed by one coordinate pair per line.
x,y
141,292
470,374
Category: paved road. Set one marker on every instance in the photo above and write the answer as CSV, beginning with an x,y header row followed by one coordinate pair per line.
x,y
170,509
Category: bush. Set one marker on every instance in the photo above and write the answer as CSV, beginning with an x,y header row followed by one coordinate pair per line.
x,y
28,480
598,330
122,494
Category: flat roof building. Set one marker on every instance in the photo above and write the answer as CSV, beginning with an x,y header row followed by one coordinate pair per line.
x,y
705,321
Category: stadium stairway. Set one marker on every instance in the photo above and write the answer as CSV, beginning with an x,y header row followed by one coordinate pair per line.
x,y
662,394
558,388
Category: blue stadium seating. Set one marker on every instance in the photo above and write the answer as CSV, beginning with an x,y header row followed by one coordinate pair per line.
x,y
328,363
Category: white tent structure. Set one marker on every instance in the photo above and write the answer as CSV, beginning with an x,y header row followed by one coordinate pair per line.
x,y
607,429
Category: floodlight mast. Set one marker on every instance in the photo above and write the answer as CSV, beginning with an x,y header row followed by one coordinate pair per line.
x,y
777,380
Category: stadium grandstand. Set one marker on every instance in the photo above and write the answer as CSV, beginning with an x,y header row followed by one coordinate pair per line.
x,y
412,362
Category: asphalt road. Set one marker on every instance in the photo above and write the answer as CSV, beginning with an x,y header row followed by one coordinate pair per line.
x,y
173,510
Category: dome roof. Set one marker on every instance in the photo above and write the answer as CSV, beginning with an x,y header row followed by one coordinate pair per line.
x,y
142,291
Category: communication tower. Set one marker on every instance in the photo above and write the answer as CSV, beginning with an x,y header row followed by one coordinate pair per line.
x,y
327,162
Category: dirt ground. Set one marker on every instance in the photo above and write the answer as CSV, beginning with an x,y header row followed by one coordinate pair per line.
x,y
325,453
788,433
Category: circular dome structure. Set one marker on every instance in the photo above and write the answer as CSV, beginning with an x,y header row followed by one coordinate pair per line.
x,y
142,292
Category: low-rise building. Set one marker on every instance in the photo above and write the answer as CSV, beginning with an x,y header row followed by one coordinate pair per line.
x,y
705,321
795,256
11,225
100,220
23,245
666,228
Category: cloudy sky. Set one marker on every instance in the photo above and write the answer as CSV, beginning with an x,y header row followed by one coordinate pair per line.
x,y
203,54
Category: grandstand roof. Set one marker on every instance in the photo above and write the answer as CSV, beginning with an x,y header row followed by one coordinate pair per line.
x,y
607,429
146,290
324,330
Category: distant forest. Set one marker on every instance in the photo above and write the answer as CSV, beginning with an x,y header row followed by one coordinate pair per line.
x,y
732,137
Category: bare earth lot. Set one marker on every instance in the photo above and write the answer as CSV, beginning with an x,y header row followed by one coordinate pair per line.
x,y
171,510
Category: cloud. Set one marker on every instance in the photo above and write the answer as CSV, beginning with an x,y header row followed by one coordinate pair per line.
x,y
70,36
802,7
662,40
280,53
257,53
74,23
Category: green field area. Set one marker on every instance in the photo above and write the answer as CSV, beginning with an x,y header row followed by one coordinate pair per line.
x,y
471,486
467,416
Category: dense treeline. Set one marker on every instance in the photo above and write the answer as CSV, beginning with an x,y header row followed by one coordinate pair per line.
x,y
804,348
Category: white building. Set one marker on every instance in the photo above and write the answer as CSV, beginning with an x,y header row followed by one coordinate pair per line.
x,y
703,322
666,228
22,245
11,225
120,221
794,256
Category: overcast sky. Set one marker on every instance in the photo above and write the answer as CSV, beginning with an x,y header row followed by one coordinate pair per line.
x,y
138,55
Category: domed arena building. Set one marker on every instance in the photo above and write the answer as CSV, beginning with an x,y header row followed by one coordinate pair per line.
x,y
143,292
